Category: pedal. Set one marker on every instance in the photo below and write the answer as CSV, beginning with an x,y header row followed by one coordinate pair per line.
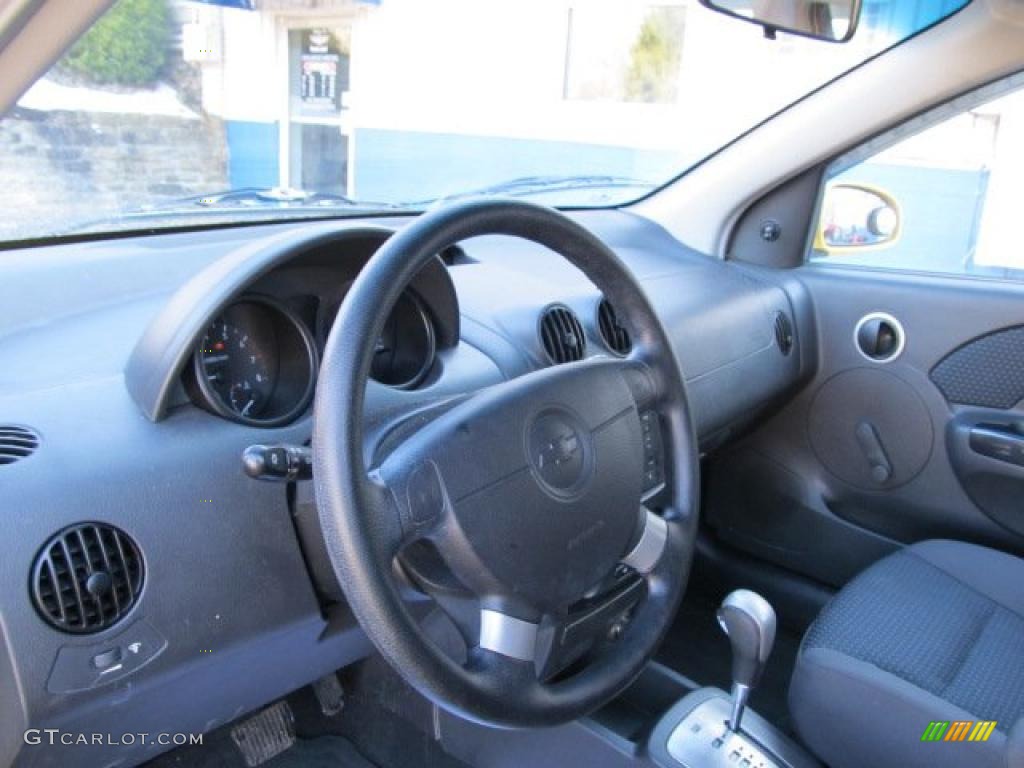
x,y
330,694
266,734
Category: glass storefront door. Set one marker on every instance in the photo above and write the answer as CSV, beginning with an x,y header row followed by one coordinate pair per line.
x,y
318,82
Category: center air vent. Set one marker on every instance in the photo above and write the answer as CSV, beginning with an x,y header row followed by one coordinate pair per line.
x,y
87,578
562,335
16,443
783,333
616,338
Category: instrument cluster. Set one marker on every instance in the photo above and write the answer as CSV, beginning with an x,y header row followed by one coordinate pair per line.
x,y
258,361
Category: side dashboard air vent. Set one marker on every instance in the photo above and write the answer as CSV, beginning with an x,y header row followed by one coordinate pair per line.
x,y
16,443
87,577
562,335
783,333
615,337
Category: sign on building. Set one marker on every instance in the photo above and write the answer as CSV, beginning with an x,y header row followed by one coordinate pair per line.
x,y
320,64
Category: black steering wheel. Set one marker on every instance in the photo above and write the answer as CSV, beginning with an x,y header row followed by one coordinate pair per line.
x,y
531,491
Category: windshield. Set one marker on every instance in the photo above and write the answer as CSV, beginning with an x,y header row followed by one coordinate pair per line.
x,y
173,113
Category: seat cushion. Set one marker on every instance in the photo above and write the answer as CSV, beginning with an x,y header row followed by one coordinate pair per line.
x,y
933,632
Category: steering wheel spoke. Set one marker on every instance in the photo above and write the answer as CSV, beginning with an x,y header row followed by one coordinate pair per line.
x,y
417,497
508,636
389,523
491,629
641,379
504,676
644,555
553,641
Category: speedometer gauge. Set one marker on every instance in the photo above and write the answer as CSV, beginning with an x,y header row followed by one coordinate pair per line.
x,y
256,363
237,361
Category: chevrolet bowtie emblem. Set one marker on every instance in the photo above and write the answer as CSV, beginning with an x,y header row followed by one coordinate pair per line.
x,y
558,451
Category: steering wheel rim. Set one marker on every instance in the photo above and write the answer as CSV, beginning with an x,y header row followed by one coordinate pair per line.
x,y
366,519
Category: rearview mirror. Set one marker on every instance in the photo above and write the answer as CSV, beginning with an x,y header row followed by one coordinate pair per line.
x,y
856,218
834,22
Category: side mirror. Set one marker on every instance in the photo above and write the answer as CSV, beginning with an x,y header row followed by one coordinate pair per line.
x,y
856,218
834,22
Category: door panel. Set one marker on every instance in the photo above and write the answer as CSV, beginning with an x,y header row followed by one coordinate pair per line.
x,y
871,455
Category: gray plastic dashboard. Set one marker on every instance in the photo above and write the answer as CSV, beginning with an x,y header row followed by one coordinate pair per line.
x,y
94,338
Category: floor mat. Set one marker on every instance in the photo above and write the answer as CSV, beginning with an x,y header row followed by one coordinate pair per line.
x,y
697,648
321,752
385,720
383,724
218,751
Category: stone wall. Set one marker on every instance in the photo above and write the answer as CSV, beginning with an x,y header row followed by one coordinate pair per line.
x,y
58,167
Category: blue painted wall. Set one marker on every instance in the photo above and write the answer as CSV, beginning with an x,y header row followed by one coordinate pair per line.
x,y
409,166
252,154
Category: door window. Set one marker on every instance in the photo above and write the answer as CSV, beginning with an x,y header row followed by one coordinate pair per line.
x,y
942,200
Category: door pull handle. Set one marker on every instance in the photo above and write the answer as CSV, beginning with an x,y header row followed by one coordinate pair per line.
x,y
871,445
998,443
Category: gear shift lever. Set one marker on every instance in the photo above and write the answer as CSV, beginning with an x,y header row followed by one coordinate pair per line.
x,y
749,621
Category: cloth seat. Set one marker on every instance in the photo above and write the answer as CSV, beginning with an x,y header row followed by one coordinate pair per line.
x,y
934,632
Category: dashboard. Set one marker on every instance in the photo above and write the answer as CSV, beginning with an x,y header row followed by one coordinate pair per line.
x,y
166,356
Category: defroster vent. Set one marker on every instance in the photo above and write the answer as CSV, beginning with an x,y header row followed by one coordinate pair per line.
x,y
87,577
562,335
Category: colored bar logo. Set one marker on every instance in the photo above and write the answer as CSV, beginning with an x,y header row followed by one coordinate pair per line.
x,y
958,730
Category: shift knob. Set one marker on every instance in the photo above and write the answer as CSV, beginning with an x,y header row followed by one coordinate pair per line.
x,y
749,622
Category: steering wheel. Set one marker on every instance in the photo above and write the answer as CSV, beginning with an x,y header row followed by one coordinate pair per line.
x,y
530,490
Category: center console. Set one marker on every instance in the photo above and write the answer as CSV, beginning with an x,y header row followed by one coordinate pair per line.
x,y
708,727
695,733
662,720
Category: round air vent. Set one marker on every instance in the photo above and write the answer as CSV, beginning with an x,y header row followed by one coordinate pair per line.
x,y
562,335
87,577
783,333
16,443
616,338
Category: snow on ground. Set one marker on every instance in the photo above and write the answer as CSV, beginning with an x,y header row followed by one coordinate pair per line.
x,y
47,95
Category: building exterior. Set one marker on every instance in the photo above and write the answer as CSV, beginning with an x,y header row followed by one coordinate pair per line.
x,y
392,100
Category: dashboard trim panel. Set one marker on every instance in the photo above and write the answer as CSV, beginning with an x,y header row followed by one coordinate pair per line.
x,y
168,342
93,361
